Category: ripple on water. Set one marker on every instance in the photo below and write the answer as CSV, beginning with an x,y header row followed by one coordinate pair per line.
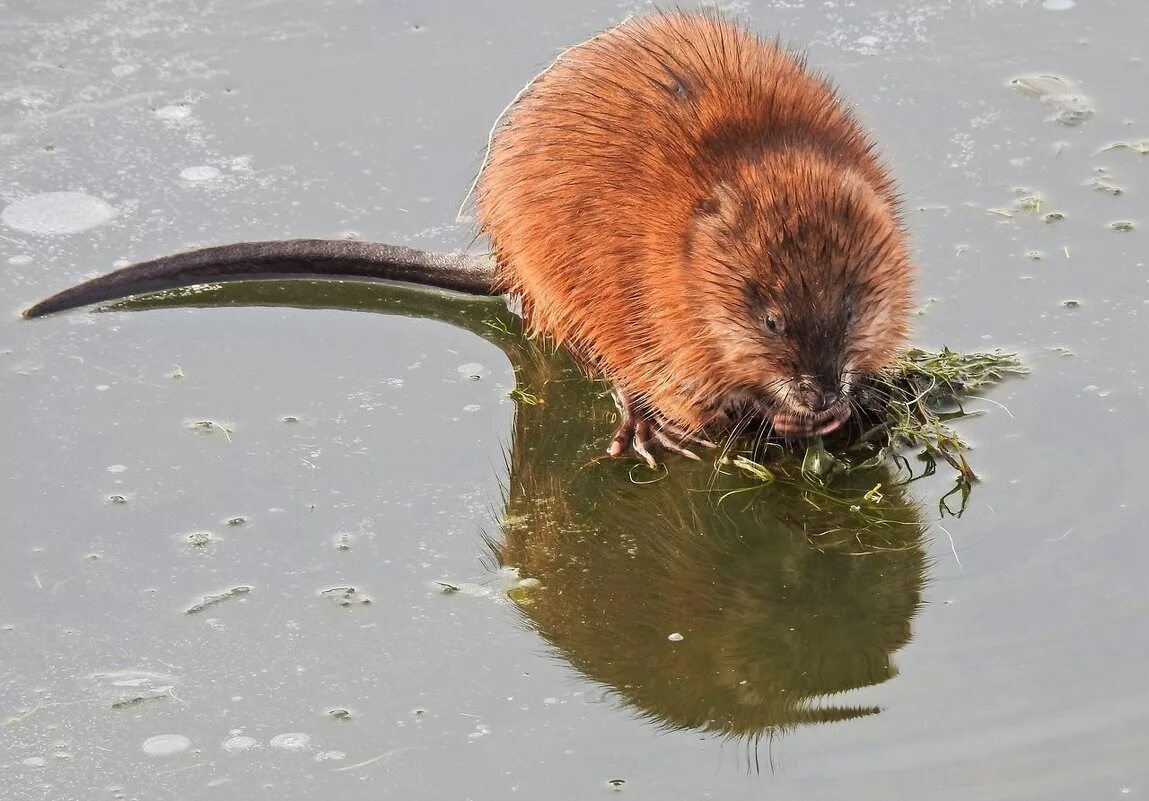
x,y
57,213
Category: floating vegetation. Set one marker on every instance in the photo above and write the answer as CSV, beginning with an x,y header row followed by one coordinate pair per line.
x,y
522,396
1141,147
211,600
200,539
346,596
910,408
135,700
1122,225
1070,106
209,427
1028,201
1102,181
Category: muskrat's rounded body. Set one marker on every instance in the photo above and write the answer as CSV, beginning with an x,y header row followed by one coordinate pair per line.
x,y
685,207
702,221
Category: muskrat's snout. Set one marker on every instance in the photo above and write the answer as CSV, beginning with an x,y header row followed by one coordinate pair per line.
x,y
818,396
816,407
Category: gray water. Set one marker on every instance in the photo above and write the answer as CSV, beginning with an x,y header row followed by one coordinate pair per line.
x,y
297,541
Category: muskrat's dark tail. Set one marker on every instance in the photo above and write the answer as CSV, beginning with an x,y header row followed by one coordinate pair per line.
x,y
292,258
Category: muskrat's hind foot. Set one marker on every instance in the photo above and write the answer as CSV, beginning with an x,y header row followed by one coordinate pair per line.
x,y
646,433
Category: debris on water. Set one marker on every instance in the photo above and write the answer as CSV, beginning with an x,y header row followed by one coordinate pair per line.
x,y
1029,201
210,600
161,693
1122,225
117,500
200,539
1102,181
345,596
209,427
340,714
238,520
1071,304
675,637
473,371
1069,104
1053,216
1141,147
343,542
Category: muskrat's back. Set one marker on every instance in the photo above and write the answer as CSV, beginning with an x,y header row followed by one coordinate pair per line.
x,y
594,177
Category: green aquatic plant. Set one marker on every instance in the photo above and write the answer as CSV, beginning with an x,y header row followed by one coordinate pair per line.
x,y
908,410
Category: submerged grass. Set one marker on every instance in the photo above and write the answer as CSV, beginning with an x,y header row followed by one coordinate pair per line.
x,y
909,410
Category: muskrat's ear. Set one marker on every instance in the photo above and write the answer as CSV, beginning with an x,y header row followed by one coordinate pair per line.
x,y
721,202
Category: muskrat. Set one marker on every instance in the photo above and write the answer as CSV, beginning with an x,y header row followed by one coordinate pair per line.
x,y
687,208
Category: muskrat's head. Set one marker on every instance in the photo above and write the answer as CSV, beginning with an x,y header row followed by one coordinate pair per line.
x,y
809,290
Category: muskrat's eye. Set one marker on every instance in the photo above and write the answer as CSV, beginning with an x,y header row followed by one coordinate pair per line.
x,y
773,322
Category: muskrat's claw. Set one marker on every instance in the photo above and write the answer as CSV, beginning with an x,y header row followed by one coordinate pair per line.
x,y
646,433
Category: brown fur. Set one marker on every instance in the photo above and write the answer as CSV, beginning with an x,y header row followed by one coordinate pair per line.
x,y
665,187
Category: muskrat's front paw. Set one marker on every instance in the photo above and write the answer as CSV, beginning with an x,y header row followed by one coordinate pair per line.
x,y
647,434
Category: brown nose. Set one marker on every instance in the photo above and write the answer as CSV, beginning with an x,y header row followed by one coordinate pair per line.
x,y
816,398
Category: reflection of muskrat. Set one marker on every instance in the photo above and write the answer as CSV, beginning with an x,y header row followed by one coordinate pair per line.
x,y
684,206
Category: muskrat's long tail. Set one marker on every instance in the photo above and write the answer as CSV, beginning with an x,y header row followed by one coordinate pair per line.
x,y
293,258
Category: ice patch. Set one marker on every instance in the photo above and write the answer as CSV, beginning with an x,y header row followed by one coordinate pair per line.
x,y
166,744
199,174
57,213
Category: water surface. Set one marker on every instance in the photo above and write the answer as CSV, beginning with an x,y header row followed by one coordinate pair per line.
x,y
400,583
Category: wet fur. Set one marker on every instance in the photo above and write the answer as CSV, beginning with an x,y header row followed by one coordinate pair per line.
x,y
666,185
